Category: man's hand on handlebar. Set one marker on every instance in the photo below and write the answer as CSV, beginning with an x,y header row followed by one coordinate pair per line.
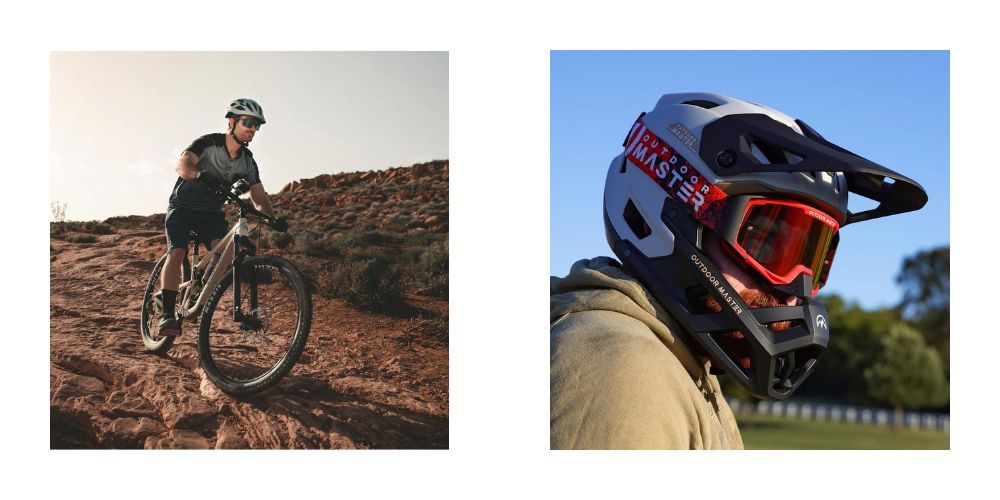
x,y
280,224
210,179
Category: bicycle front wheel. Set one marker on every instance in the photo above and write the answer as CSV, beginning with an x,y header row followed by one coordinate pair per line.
x,y
252,353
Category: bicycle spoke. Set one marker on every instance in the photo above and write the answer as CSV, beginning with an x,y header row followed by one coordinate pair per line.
x,y
248,349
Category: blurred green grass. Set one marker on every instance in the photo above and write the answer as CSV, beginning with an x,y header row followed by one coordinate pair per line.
x,y
762,432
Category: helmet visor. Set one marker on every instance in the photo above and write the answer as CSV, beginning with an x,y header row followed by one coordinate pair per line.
x,y
783,239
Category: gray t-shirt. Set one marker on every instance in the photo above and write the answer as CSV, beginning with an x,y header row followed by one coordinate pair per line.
x,y
213,156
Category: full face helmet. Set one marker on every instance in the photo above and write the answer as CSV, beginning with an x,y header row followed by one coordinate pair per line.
x,y
774,192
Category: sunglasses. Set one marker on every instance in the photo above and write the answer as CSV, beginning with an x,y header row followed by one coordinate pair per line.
x,y
251,122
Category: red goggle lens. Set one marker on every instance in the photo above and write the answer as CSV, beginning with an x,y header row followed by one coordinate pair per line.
x,y
784,239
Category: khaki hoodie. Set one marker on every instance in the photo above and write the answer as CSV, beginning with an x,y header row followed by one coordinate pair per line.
x,y
620,379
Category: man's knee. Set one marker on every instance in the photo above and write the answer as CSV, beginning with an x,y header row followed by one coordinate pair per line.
x,y
176,255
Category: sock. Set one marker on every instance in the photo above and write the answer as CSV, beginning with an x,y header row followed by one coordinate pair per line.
x,y
169,299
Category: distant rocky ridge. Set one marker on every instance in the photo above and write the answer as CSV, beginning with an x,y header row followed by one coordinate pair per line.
x,y
403,199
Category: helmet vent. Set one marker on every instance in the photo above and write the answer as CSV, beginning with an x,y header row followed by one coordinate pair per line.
x,y
701,103
768,153
635,221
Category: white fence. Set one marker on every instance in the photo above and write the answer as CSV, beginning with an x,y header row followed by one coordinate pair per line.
x,y
838,413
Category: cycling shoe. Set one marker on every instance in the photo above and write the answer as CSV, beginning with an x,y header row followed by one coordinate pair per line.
x,y
170,327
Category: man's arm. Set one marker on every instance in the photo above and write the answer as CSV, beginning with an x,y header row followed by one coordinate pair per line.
x,y
186,166
260,200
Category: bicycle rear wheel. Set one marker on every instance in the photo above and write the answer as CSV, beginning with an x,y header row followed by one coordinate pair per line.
x,y
251,355
149,324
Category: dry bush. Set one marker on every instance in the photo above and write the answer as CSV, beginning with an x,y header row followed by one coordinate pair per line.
x,y
430,274
81,238
370,283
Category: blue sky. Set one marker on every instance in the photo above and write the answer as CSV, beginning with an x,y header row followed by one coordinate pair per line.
x,y
890,107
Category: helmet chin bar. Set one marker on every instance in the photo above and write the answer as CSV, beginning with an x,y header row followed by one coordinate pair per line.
x,y
780,361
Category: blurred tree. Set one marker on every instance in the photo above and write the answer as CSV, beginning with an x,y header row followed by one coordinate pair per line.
x,y
906,373
855,336
925,278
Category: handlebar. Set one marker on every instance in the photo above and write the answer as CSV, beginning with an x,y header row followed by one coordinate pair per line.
x,y
231,196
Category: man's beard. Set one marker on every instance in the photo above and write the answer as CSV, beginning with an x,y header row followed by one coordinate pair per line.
x,y
733,342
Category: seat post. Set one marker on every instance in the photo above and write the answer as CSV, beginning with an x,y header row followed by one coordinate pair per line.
x,y
193,237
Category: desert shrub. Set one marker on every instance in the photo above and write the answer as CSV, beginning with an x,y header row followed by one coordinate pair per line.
x,y
101,228
433,328
309,273
370,283
81,238
58,211
430,274
92,227
396,222
314,245
423,239
274,239
360,240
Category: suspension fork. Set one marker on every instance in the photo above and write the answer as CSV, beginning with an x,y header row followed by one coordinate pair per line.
x,y
242,247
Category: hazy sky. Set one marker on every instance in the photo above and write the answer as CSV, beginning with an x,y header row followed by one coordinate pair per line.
x,y
890,107
119,120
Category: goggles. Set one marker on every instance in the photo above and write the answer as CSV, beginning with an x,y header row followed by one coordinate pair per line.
x,y
251,122
783,239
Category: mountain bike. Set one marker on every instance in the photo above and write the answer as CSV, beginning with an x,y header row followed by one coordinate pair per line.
x,y
256,311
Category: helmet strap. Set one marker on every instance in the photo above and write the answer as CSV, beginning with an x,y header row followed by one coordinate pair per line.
x,y
232,132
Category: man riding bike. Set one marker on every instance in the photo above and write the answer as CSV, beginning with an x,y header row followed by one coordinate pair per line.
x,y
211,161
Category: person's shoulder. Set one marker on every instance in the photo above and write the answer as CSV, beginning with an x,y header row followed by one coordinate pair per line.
x,y
610,338
207,140
615,385
215,138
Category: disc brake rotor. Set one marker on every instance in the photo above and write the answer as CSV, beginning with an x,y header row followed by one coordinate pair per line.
x,y
257,324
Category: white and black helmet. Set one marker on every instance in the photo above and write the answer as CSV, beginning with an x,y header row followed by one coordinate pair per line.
x,y
695,163
248,107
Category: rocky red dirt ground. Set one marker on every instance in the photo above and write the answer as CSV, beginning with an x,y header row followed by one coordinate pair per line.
x,y
366,379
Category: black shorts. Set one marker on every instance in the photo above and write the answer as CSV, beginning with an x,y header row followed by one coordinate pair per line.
x,y
209,226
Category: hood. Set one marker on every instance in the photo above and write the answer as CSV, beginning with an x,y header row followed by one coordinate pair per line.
x,y
601,284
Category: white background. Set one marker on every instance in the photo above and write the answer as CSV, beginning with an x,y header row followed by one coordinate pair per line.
x,y
499,248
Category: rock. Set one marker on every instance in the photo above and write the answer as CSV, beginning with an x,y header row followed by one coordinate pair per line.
x,y
129,432
124,404
391,367
323,181
341,442
72,386
177,440
229,439
420,170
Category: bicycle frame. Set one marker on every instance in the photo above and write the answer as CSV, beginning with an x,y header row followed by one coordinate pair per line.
x,y
230,257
